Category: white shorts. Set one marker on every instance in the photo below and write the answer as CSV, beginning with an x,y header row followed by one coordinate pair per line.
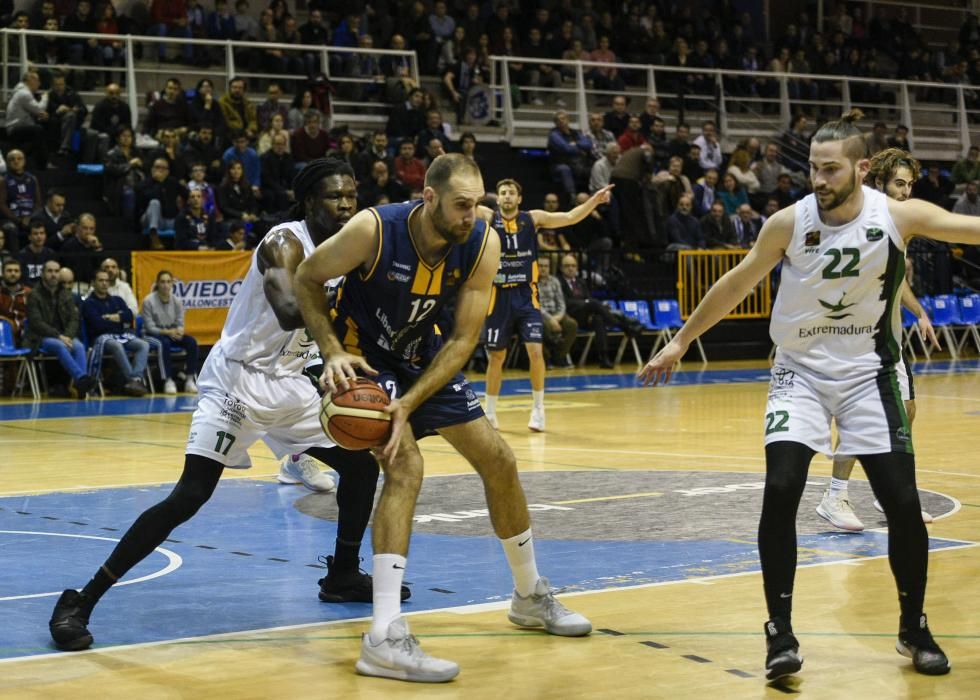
x,y
869,410
238,405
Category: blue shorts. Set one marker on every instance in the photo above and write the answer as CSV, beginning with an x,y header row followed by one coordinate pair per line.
x,y
513,310
453,404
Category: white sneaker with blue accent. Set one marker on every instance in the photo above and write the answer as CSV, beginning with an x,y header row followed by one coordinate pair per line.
x,y
400,656
542,609
303,469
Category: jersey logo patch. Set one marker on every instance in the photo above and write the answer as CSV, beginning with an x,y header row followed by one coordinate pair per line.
x,y
811,239
836,309
875,234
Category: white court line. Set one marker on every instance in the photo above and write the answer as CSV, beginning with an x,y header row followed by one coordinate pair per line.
x,y
458,610
100,487
174,561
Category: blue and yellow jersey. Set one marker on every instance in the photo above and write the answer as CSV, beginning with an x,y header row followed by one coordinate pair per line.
x,y
394,306
518,255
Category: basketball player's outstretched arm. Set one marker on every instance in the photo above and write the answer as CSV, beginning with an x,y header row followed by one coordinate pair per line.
x,y
472,303
726,294
278,256
917,217
910,302
560,219
352,248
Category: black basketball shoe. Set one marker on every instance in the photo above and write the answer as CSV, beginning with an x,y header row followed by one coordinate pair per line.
x,y
782,650
69,622
917,644
349,587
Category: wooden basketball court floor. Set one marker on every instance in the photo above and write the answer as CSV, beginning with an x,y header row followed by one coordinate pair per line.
x,y
662,464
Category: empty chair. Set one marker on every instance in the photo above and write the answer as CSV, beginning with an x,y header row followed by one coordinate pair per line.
x,y
667,319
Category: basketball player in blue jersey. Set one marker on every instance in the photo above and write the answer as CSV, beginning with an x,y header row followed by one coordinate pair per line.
x,y
892,171
402,263
837,326
514,303
252,387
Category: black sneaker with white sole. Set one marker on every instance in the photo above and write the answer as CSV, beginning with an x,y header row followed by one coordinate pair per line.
x,y
351,587
917,644
69,622
782,650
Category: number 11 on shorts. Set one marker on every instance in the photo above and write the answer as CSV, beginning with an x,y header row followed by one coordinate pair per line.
x,y
776,422
224,439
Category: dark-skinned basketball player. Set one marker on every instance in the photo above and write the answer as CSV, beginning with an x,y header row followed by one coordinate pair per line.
x,y
253,387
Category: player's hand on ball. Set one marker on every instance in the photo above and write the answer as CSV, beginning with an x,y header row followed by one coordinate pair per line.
x,y
340,369
399,418
662,365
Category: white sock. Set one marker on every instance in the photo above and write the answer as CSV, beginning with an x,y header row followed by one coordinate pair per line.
x,y
520,555
388,571
537,398
838,487
491,404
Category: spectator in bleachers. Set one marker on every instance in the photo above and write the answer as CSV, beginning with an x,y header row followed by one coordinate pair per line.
x,y
122,174
409,170
195,230
732,194
202,147
711,155
380,185
591,233
245,25
717,228
158,202
795,145
205,112
575,52
933,187
900,139
170,111
769,169
365,160
53,327
243,153
407,119
48,52
747,224
969,202
569,156
278,169
20,198
705,193
169,18
785,192
433,149
472,22
109,321
42,12
683,229
680,145
239,113
276,126
316,33
13,296
199,182
108,115
632,136
671,184
617,119
467,146
559,329
83,251
878,138
25,119
118,287
650,113
599,136
112,50
268,60
67,115
601,172
83,52
171,152
459,79
549,238
220,24
397,70
271,106
739,166
967,169
434,128
631,175
57,221
605,78
345,149
235,238
163,319
691,167
236,199
311,141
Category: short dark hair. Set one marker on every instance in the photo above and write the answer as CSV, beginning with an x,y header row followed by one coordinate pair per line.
x,y
38,223
445,166
55,192
509,181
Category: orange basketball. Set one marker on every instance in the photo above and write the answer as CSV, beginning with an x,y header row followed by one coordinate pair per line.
x,y
354,419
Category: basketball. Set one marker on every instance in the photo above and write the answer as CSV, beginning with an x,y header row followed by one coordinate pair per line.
x,y
354,419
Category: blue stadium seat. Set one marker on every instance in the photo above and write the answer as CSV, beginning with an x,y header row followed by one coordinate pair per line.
x,y
970,320
667,319
9,352
946,317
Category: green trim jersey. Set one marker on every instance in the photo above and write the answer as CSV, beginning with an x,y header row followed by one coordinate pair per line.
x,y
837,312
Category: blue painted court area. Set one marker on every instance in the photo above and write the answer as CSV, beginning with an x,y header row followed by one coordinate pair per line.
x,y
511,387
248,561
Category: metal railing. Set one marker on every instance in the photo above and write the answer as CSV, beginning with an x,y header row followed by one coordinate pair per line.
x,y
942,118
138,76
698,270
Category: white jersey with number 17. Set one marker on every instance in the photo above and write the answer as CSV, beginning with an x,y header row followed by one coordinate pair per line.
x,y
837,312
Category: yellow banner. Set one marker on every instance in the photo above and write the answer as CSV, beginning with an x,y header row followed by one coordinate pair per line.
x,y
205,283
